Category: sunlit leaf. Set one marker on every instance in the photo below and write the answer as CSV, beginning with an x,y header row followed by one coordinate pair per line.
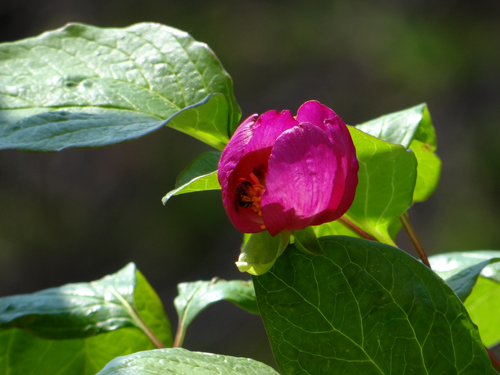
x,y
183,362
365,308
387,174
83,86
413,129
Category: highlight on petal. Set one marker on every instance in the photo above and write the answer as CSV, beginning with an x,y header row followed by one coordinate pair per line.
x,y
315,113
300,182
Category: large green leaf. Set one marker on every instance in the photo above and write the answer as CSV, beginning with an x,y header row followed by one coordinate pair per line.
x,y
78,328
83,86
413,129
365,308
387,174
183,362
196,296
483,304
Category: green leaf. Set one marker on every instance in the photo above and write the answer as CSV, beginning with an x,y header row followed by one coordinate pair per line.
x,y
78,328
413,129
150,309
365,308
204,164
461,270
453,262
261,251
403,127
483,304
387,174
83,86
22,353
200,175
196,296
334,228
183,362
201,183
307,241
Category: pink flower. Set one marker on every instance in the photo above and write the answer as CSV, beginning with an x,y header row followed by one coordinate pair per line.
x,y
280,173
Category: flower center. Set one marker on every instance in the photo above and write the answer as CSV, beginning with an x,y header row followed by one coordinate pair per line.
x,y
249,190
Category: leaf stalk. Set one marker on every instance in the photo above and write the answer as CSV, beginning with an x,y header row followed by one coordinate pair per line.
x,y
349,224
414,239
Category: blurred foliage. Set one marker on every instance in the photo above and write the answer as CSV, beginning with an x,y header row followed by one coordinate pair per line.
x,y
79,214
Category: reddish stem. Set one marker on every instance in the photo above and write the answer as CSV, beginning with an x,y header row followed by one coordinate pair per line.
x,y
413,237
494,360
349,224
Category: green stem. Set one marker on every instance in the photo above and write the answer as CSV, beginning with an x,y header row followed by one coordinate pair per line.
x,y
138,319
414,239
179,335
349,224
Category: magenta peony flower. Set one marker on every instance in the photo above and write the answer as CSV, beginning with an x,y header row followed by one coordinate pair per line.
x,y
280,173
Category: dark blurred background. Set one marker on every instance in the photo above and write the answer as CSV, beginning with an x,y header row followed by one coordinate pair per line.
x,y
78,215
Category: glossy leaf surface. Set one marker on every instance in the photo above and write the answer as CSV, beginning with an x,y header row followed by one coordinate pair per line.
x,y
365,308
194,297
483,304
413,129
78,328
83,86
183,362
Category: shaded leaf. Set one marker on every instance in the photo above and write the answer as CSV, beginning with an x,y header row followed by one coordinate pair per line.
x,y
78,328
83,86
183,362
365,308
194,297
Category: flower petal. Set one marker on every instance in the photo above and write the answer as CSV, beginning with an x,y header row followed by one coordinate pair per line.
x,y
268,127
315,113
350,164
229,160
304,173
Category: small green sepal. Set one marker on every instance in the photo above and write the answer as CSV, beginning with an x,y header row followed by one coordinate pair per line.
x,y
306,240
261,251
